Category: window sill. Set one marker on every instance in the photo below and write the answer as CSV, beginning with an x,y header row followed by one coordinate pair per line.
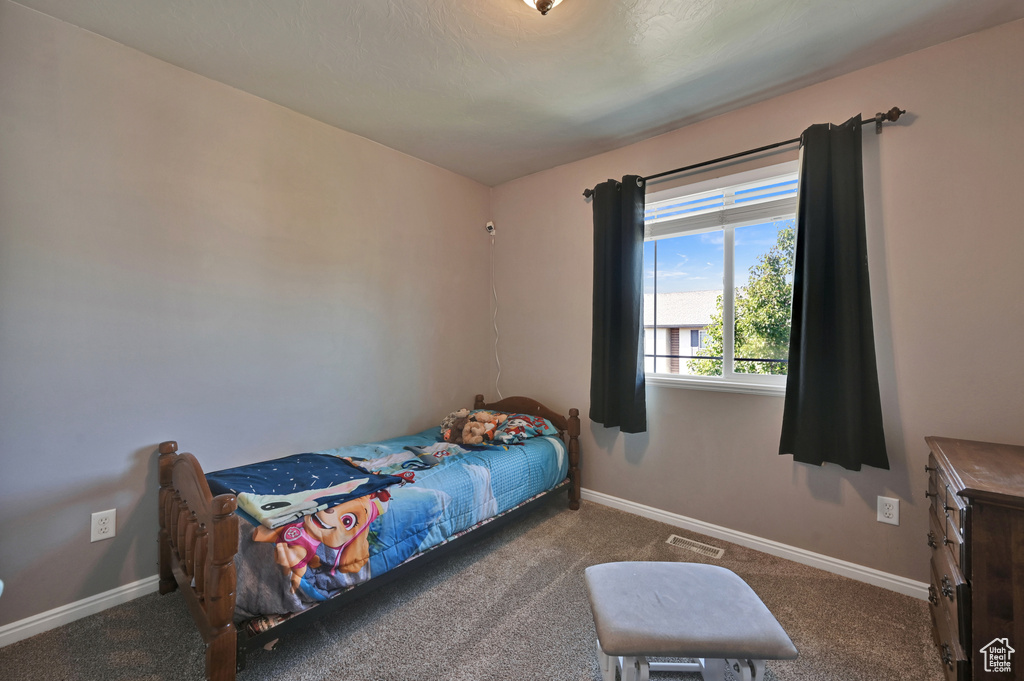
x,y
715,385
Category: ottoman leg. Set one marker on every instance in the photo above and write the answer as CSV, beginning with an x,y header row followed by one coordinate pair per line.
x,y
635,669
747,670
607,663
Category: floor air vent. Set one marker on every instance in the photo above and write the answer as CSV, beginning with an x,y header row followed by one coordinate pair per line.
x,y
696,546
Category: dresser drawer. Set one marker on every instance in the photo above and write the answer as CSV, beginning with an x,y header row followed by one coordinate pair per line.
x,y
952,503
950,593
957,548
949,518
936,531
955,665
936,493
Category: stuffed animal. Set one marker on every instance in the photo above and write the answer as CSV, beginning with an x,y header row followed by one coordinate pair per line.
x,y
473,433
471,428
453,433
490,417
491,421
452,425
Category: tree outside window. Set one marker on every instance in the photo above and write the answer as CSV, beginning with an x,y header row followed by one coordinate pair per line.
x,y
763,308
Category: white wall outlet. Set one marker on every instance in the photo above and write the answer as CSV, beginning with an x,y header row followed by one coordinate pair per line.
x,y
889,510
489,227
103,525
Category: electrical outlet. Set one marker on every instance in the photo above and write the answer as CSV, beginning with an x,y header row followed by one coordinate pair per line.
x,y
889,510
103,525
489,227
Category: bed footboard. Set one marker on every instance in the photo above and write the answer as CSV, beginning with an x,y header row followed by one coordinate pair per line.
x,y
198,542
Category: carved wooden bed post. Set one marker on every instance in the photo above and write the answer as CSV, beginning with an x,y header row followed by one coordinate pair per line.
x,y
167,493
574,459
220,584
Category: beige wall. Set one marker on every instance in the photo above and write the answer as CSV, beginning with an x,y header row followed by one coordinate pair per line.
x,y
945,214
181,260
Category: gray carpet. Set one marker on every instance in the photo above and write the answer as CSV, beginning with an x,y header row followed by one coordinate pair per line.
x,y
512,607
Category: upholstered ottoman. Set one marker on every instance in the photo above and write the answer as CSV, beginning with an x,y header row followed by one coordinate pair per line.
x,y
681,610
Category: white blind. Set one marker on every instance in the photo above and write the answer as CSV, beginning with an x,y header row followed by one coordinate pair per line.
x,y
760,201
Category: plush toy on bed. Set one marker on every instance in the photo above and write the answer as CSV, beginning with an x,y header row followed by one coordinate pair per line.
x,y
451,426
490,417
471,428
490,421
473,433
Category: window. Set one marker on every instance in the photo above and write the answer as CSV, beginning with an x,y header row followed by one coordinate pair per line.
x,y
718,282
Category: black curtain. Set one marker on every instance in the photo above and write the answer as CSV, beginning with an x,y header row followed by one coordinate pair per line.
x,y
617,388
833,412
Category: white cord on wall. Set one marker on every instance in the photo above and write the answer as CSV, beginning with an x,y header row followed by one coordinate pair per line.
x,y
494,317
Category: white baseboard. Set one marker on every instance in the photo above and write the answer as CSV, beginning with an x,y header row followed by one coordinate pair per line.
x,y
51,619
860,573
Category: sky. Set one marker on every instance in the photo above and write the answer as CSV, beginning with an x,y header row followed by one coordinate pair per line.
x,y
694,262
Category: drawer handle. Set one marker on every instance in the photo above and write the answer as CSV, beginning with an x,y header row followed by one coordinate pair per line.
x,y
933,598
947,655
947,587
931,540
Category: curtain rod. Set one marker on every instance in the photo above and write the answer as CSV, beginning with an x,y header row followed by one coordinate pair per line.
x,y
892,115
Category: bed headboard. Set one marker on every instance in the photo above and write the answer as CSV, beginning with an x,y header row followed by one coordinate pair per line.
x,y
524,405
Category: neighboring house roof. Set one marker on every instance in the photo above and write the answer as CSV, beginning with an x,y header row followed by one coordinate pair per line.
x,y
684,308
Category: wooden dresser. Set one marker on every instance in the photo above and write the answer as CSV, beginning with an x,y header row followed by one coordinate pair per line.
x,y
976,535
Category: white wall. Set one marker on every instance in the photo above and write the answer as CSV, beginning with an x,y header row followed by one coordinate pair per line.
x,y
181,260
945,238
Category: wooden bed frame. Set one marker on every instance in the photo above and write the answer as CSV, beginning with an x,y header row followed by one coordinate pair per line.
x,y
199,539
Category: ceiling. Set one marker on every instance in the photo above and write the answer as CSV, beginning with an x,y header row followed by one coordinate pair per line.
x,y
493,90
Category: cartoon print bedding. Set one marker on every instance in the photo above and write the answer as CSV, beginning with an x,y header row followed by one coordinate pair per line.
x,y
312,525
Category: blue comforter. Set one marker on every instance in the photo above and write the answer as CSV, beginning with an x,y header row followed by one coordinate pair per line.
x,y
416,493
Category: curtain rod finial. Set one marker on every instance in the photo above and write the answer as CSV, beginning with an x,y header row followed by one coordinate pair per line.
x,y
892,115
587,193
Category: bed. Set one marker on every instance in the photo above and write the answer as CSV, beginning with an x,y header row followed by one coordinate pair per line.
x,y
254,550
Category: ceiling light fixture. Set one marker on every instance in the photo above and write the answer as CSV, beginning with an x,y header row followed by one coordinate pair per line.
x,y
542,6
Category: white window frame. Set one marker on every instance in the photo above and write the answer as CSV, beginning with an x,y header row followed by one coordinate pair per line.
x,y
725,219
